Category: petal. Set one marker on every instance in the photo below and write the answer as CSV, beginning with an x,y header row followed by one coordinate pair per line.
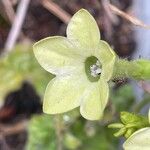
x,y
94,100
56,55
149,115
64,93
107,57
83,31
140,140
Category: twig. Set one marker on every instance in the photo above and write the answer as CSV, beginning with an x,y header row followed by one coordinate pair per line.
x,y
111,16
8,130
17,25
14,2
56,10
9,10
128,17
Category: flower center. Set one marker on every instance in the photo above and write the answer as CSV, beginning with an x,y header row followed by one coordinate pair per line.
x,y
93,68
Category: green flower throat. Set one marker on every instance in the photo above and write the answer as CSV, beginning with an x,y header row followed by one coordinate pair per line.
x,y
93,68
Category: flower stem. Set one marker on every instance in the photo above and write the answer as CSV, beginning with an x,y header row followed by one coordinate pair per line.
x,y
58,130
136,69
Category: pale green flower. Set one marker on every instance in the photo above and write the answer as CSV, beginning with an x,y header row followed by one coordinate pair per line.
x,y
139,140
82,63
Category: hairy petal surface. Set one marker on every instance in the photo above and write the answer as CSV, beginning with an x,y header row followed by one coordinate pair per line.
x,y
57,55
94,100
64,93
83,32
140,140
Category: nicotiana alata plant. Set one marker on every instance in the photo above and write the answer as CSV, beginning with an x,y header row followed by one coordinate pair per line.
x,y
130,123
139,139
83,65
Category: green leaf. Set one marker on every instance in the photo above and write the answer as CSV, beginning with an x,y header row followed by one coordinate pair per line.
x,y
21,65
116,125
131,118
120,132
41,133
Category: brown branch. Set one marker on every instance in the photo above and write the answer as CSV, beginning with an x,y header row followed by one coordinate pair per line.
x,y
9,10
128,17
112,17
8,130
56,10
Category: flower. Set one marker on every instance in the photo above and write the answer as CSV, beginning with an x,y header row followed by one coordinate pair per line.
x,y
82,63
139,139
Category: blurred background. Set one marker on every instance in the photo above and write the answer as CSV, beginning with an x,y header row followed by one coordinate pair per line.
x,y
23,126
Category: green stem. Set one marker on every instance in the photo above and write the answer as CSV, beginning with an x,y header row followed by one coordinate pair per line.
x,y
58,130
137,69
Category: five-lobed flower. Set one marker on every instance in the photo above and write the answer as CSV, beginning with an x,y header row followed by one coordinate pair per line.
x,y
83,65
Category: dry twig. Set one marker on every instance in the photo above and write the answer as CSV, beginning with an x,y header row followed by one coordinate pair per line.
x,y
56,10
128,17
13,129
17,25
113,18
9,10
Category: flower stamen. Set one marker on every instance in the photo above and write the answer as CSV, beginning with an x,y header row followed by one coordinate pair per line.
x,y
95,69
